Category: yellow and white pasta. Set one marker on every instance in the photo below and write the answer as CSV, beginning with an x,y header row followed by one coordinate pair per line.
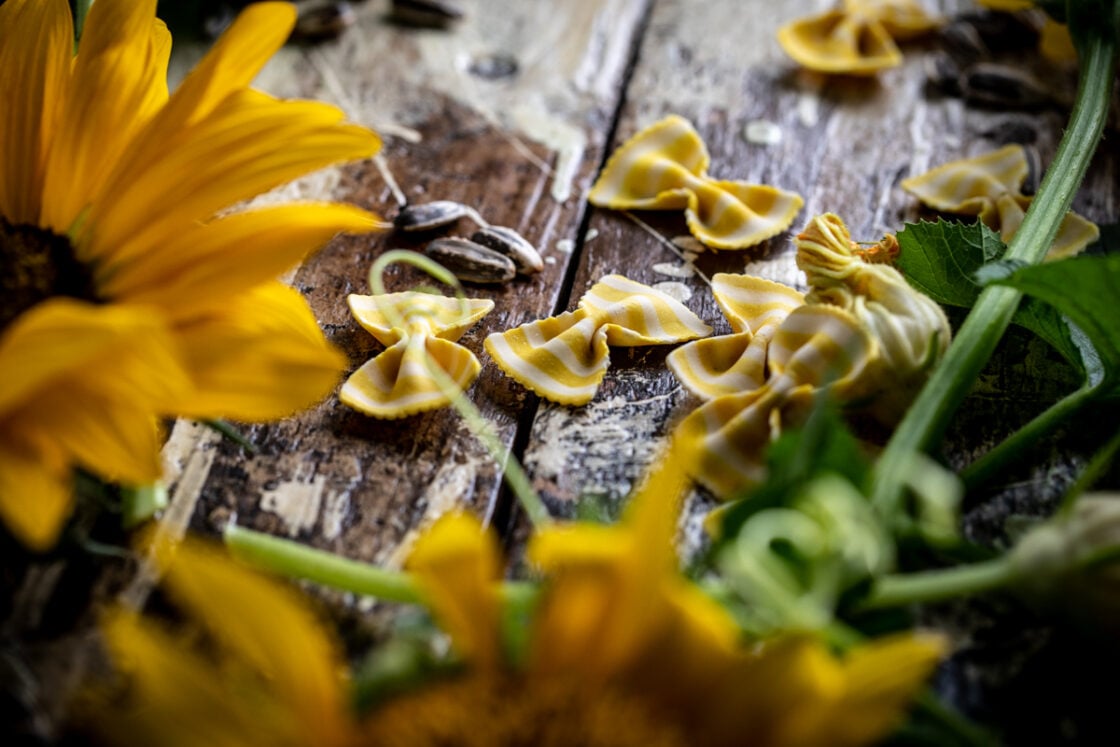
x,y
857,37
723,442
735,363
397,382
564,358
664,167
989,187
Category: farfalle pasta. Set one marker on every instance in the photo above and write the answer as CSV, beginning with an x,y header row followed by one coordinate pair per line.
x,y
398,382
564,358
990,187
734,363
857,37
861,332
665,167
723,442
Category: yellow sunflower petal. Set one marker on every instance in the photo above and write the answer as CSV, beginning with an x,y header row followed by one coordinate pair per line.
x,y
267,627
205,264
36,43
174,697
262,358
232,62
881,679
62,337
458,565
124,49
35,495
110,437
244,147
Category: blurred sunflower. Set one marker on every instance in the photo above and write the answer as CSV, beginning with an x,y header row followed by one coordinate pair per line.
x,y
130,286
622,649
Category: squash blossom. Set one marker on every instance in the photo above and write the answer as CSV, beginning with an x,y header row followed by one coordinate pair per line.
x,y
131,289
911,330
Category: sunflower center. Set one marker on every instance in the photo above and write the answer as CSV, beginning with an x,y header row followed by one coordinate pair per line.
x,y
35,265
500,713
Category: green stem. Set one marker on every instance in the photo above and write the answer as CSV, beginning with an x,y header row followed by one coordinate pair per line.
x,y
510,468
986,467
296,560
926,420
138,504
939,585
229,431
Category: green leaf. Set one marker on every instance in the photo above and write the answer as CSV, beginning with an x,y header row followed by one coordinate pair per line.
x,y
941,259
823,445
951,262
1085,290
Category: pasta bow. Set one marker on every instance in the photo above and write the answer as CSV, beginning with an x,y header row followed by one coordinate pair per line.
x,y
857,37
989,186
817,346
664,167
734,363
397,382
564,358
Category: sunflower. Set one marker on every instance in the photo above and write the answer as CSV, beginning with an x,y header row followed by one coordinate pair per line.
x,y
621,649
624,650
131,285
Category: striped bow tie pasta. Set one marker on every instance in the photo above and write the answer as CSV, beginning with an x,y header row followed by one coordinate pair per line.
x,y
564,358
397,382
989,186
730,364
857,37
664,167
723,442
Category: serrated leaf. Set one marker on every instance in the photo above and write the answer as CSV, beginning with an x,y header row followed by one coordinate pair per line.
x,y
1085,290
950,262
941,259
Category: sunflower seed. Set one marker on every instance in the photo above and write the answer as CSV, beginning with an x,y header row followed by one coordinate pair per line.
x,y
470,261
323,22
1000,85
513,245
429,215
435,14
963,42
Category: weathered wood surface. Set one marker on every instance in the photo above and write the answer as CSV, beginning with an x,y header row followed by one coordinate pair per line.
x,y
512,111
